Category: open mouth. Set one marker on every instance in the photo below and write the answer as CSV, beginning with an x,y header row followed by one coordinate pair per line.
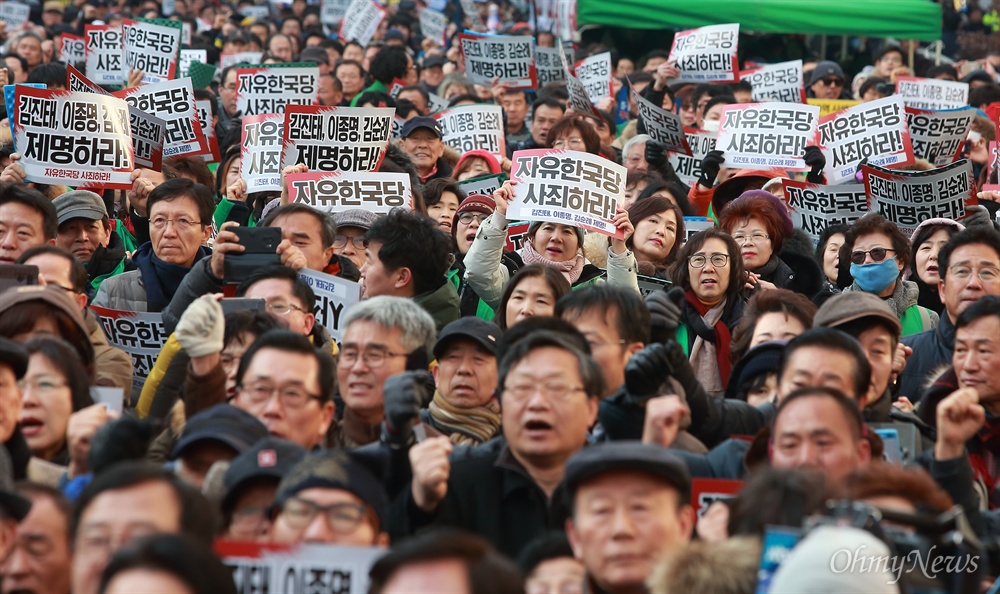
x,y
536,426
30,426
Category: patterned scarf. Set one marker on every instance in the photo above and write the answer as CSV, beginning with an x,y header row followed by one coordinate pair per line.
x,y
718,335
465,426
571,269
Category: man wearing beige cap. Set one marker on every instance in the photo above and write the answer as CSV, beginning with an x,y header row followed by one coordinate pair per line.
x,y
85,231
52,14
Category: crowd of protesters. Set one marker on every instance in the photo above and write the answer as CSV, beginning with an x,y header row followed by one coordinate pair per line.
x,y
496,421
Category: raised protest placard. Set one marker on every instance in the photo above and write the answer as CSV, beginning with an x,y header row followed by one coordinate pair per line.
x,y
304,569
567,187
73,139
330,138
767,135
665,127
909,197
814,207
255,11
828,106
140,334
15,14
331,12
688,167
334,296
152,48
648,284
484,184
992,167
172,100
517,234
337,191
693,225
939,136
510,58
706,54
471,12
104,54
932,93
875,130
234,58
73,50
361,20
267,89
148,135
549,67
595,73
204,107
260,151
706,491
434,26
76,81
472,127
777,82
188,56
8,99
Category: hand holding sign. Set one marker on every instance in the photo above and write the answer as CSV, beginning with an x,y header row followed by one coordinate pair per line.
x,y
13,173
285,172
625,230
237,191
664,73
503,195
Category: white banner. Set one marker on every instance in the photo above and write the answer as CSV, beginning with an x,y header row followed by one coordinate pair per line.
x,y
331,12
361,21
663,126
151,49
269,90
73,50
767,135
140,334
188,56
508,58
595,75
434,26
814,207
932,93
688,168
260,151
231,59
939,136
908,198
777,82
333,138
14,14
472,127
337,191
706,54
876,130
549,67
104,54
172,101
334,296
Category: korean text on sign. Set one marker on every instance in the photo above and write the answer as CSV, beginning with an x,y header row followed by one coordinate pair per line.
x,y
509,58
688,168
595,74
939,136
472,127
140,334
334,296
339,191
665,127
104,54
260,150
706,54
152,49
361,20
173,101
336,138
815,207
932,93
908,198
269,90
777,82
767,135
875,130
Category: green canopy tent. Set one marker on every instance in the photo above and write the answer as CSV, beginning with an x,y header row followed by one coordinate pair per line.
x,y
902,19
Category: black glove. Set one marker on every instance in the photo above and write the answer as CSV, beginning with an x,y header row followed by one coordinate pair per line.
x,y
402,396
656,154
815,159
664,313
710,166
646,372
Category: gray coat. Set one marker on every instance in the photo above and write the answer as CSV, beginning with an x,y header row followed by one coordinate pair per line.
x,y
124,292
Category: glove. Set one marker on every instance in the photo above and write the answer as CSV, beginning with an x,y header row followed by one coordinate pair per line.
x,y
977,215
202,327
402,395
710,166
646,372
664,313
656,156
815,159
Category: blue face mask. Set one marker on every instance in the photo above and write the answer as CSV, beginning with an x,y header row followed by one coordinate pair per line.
x,y
875,277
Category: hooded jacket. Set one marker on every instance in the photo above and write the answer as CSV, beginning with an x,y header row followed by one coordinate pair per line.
x,y
903,302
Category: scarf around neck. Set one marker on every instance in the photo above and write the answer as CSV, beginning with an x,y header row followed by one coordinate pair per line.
x,y
160,278
465,426
719,335
571,269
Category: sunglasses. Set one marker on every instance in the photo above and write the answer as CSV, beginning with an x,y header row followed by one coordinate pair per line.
x,y
878,254
832,82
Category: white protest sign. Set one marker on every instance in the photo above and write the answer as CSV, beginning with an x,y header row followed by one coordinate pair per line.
x,y
260,151
567,187
112,398
73,50
256,11
269,89
15,14
595,75
777,82
908,198
306,569
337,191
472,127
104,54
665,127
549,66
438,103
334,296
939,136
233,58
876,130
140,334
471,12
932,93
688,167
767,135
361,21
151,49
434,26
188,56
204,107
694,225
578,98
148,135
484,184
706,54
333,138
331,12
814,207
508,58
173,101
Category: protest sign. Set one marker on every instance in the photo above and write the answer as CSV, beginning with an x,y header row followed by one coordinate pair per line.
x,y
565,19
517,234
173,101
693,225
777,82
909,197
337,191
688,167
484,184
814,207
767,135
548,66
706,491
188,56
595,73
706,54
649,284
434,26
234,58
8,99
567,187
662,126
361,20
15,14
875,130
73,139
329,138
255,11
331,12
148,135
828,106
140,334
303,569
334,296
939,136
152,48
104,54
992,167
201,74
471,12
932,93
73,50
267,89
472,127
260,151
204,107
508,58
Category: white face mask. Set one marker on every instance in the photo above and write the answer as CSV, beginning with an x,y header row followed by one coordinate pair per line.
x,y
710,125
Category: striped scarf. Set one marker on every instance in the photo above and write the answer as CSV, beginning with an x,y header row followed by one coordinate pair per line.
x,y
465,426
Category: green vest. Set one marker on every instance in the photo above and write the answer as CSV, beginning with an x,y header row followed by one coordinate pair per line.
x,y
222,210
914,320
682,339
483,310
128,240
96,283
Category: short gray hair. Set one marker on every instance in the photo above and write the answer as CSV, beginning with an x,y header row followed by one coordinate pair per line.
x,y
416,324
637,139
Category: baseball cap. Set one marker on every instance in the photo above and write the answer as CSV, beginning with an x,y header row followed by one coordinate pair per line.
x,y
825,69
435,62
269,458
81,204
224,423
656,461
314,54
847,307
358,473
484,333
421,122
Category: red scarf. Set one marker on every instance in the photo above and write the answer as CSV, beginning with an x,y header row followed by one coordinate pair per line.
x,y
722,340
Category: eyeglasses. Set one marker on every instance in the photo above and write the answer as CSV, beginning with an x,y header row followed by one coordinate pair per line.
x,y
832,82
893,59
964,273
340,241
342,518
466,217
570,142
878,254
290,396
551,391
757,238
282,309
373,358
41,385
717,260
182,224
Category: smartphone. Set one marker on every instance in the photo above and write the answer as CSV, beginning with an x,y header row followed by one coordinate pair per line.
x,y
237,304
892,451
261,244
17,275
